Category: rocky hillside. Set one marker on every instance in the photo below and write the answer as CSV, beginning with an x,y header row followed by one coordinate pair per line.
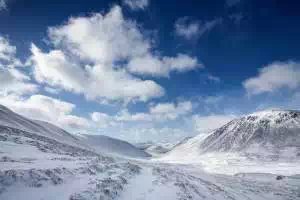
x,y
272,129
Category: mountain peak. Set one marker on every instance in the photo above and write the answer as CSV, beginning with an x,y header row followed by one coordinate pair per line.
x,y
277,128
272,116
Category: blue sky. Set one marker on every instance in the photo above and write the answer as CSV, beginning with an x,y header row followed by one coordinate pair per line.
x,y
146,70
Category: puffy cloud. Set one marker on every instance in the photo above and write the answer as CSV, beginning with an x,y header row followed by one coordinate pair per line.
x,y
97,56
274,76
155,66
137,4
56,69
12,79
170,110
118,84
194,29
92,56
147,65
110,39
45,108
205,124
99,81
101,38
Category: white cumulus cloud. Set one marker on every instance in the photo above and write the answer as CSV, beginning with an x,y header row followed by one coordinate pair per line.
x,y
98,55
155,66
101,38
170,110
273,77
98,81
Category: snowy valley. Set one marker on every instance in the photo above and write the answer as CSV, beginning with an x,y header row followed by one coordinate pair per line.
x,y
253,157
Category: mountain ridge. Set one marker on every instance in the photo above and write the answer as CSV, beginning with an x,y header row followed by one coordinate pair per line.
x,y
8,118
268,134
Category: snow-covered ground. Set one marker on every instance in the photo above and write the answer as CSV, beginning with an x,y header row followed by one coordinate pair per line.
x,y
233,163
40,165
40,168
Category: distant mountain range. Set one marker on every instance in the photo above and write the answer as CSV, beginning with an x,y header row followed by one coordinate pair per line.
x,y
159,148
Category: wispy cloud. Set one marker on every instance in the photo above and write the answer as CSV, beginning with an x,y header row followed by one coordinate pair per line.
x,y
137,4
3,5
213,78
194,29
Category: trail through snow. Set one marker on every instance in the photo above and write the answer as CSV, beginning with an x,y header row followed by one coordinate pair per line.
x,y
145,187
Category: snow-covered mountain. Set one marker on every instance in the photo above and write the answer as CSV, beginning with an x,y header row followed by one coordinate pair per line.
x,y
11,119
269,134
102,144
271,129
186,150
41,161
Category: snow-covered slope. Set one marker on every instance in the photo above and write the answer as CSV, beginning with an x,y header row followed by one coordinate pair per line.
x,y
11,119
35,166
273,130
99,143
266,141
187,149
110,145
